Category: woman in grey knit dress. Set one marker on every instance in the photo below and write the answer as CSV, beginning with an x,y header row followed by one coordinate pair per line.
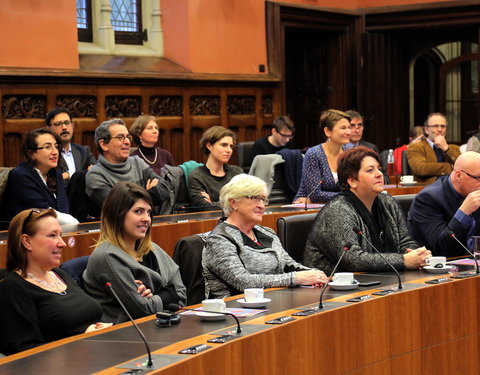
x,y
362,205
240,253
144,277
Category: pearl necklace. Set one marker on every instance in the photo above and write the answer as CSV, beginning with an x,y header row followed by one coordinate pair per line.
x,y
56,287
145,158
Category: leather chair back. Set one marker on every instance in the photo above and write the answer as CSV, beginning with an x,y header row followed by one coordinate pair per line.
x,y
404,201
405,166
243,152
293,232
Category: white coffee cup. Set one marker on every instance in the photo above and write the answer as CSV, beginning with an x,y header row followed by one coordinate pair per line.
x,y
343,278
406,178
214,305
253,294
437,262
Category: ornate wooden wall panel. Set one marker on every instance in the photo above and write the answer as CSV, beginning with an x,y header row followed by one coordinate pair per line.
x,y
182,112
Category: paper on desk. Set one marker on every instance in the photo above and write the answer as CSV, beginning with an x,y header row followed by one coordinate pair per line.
x,y
467,261
302,205
238,312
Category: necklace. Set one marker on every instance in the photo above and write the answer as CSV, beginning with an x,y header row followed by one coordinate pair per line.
x,y
56,287
145,158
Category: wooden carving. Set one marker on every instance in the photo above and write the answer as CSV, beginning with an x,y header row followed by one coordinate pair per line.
x,y
122,106
166,106
205,105
267,104
241,104
24,106
79,105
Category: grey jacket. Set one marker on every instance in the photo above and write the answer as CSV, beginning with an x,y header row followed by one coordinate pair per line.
x,y
103,176
333,228
232,262
111,263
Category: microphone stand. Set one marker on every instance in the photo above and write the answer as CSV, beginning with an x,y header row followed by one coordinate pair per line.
x,y
347,246
313,191
451,234
359,232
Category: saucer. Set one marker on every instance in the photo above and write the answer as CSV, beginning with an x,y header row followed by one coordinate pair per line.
x,y
412,183
336,286
253,304
210,316
432,269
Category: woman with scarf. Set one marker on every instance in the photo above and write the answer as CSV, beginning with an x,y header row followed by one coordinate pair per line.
x,y
362,206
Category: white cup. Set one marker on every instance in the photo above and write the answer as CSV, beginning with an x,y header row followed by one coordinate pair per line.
x,y
406,178
253,294
343,278
437,262
214,305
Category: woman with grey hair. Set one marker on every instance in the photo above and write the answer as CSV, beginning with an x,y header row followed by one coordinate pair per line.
x,y
240,253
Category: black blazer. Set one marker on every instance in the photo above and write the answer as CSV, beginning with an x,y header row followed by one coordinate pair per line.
x,y
431,218
82,157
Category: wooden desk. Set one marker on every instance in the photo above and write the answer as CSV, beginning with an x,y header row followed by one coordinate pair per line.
x,y
400,190
433,329
166,230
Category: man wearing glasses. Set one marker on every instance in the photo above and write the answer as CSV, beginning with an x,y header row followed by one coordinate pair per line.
x,y
75,156
280,137
432,156
356,129
113,142
449,205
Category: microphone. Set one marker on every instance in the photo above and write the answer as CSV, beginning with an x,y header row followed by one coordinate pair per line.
x,y
313,191
108,285
359,232
347,246
173,307
451,234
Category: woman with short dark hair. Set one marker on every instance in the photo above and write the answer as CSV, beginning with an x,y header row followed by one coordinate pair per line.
x,y
145,278
39,302
205,182
362,205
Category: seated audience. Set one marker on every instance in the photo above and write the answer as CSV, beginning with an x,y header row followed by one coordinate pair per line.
x,y
362,204
39,302
240,253
449,205
319,176
144,277
145,134
38,182
280,137
115,165
77,157
205,182
432,156
356,127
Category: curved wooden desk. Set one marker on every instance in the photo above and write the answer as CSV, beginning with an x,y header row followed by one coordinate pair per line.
x,y
432,329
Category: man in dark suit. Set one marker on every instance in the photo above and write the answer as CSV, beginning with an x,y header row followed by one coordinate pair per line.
x,y
76,157
356,128
448,205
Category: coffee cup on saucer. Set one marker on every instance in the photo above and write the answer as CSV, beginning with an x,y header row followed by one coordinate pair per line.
x,y
253,294
343,278
214,305
407,179
436,262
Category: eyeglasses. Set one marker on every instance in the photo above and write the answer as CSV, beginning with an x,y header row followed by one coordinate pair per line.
x,y
122,137
258,198
29,217
471,175
48,147
437,126
356,126
290,136
60,123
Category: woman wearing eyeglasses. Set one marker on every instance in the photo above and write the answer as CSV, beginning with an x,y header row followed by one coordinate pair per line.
x,y
240,253
38,182
39,302
319,177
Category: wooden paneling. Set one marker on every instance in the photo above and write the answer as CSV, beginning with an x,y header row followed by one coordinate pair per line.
x,y
182,113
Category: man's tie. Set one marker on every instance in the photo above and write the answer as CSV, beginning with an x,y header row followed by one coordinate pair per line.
x,y
439,153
